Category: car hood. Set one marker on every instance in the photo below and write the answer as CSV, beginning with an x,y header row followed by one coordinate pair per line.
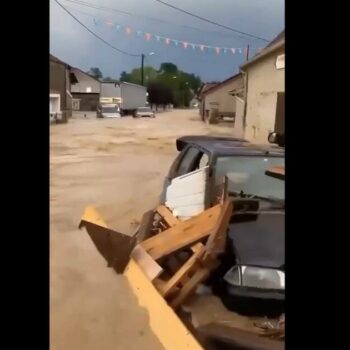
x,y
260,242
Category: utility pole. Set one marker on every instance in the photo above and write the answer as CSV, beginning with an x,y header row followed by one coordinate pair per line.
x,y
142,70
247,53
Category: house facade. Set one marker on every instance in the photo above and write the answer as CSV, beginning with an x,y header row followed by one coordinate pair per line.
x,y
85,91
60,86
218,99
263,106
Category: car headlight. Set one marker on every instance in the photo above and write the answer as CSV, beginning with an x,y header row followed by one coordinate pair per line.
x,y
255,277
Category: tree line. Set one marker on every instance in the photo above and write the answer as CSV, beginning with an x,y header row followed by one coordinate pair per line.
x,y
165,86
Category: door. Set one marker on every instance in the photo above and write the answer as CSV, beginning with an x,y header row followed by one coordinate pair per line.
x,y
76,105
280,119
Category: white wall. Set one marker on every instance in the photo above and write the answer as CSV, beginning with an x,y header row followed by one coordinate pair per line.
x,y
85,83
264,81
220,97
238,129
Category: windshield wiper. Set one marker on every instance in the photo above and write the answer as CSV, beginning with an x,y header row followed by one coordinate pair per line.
x,y
244,195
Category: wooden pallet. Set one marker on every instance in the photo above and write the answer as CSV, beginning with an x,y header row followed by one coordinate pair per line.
x,y
204,235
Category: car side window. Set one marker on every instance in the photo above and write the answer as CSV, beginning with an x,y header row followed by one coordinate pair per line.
x,y
203,161
188,162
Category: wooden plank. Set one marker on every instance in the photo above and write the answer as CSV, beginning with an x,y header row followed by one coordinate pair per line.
x,y
150,267
190,287
197,247
277,172
188,266
167,215
190,210
238,338
183,234
217,239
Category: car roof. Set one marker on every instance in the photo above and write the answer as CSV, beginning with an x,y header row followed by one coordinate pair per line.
x,y
228,146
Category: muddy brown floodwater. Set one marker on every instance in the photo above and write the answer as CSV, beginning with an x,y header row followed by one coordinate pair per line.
x,y
120,164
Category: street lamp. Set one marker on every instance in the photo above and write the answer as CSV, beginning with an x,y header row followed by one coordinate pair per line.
x,y
142,65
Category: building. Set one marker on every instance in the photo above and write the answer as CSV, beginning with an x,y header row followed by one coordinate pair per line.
x,y
218,100
85,91
60,87
262,110
201,97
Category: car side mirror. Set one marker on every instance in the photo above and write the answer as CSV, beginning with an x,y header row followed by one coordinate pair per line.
x,y
277,138
273,137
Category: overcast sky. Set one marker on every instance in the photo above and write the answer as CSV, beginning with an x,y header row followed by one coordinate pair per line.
x,y
70,42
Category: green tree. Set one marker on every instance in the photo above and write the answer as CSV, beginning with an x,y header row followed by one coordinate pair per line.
x,y
181,86
95,72
169,68
150,74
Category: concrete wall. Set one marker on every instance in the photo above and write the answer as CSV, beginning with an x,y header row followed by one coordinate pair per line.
x,y
263,83
219,98
85,82
60,84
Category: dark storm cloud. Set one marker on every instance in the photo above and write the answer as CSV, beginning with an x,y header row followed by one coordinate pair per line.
x,y
73,44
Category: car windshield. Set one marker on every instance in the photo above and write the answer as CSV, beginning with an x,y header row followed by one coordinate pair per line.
x,y
144,109
109,110
247,175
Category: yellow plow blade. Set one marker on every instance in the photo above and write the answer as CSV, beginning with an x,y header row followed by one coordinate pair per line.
x,y
114,246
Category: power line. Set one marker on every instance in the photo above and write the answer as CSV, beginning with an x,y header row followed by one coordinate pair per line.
x,y
109,9
111,22
96,35
210,21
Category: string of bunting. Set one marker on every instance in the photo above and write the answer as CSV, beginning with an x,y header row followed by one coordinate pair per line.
x,y
174,42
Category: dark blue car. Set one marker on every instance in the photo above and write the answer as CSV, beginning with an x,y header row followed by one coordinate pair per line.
x,y
252,267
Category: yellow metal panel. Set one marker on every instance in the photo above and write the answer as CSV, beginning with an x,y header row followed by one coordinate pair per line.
x,y
163,321
93,216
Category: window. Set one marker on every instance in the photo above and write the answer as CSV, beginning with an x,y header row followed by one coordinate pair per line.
x,y
188,162
88,89
247,174
203,161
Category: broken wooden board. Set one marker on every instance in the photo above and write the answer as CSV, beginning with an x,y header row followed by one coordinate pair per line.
x,y
181,276
183,234
217,239
278,172
167,215
190,287
150,267
239,339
